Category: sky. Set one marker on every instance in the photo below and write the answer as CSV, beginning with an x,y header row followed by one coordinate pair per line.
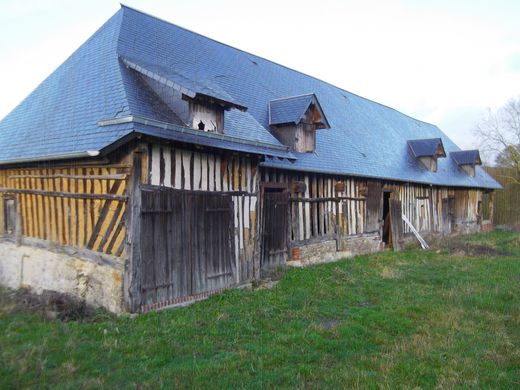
x,y
443,62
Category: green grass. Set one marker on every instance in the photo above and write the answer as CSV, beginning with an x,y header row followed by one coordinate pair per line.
x,y
391,320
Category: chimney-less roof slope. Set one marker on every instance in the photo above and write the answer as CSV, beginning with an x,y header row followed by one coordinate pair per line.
x,y
365,138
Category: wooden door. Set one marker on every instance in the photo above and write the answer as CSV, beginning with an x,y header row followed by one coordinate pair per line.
x,y
374,207
275,228
186,243
211,241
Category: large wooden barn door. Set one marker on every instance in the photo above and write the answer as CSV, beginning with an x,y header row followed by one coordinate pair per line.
x,y
186,244
210,220
275,229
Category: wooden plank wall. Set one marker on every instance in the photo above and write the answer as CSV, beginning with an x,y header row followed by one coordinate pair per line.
x,y
466,205
506,205
77,206
312,220
422,204
205,171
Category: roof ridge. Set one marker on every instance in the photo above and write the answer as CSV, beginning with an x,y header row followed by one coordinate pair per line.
x,y
271,61
292,97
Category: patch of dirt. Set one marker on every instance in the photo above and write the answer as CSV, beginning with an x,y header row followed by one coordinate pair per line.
x,y
50,305
266,284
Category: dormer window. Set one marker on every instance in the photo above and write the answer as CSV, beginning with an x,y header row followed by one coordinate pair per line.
x,y
427,151
199,104
294,121
206,117
467,160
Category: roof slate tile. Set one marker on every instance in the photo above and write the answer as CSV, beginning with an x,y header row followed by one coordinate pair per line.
x,y
365,138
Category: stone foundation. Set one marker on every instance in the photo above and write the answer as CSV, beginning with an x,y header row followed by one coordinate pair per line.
x,y
466,227
325,251
39,269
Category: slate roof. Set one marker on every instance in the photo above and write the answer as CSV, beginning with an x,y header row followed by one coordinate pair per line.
x,y
172,79
290,109
426,147
65,113
466,157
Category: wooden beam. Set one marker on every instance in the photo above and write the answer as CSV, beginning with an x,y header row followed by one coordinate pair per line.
x,y
326,199
120,176
132,278
62,194
2,216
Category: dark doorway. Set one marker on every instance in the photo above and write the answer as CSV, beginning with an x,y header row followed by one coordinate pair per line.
x,y
275,227
386,218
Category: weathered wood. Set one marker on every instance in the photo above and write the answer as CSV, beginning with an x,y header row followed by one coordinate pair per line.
x,y
18,227
373,206
326,199
101,219
133,270
121,176
2,214
186,243
232,193
275,231
396,224
61,194
421,240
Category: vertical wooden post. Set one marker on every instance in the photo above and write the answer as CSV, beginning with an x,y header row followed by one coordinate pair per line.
x,y
259,229
18,222
2,216
491,206
132,279
338,227
432,225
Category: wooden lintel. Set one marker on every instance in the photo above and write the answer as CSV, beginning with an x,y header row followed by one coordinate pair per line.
x,y
150,187
328,199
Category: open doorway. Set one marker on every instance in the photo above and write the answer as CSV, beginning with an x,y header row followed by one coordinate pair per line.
x,y
387,234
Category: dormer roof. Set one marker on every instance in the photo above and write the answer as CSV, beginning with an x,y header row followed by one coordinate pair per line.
x,y
204,90
291,110
466,157
429,147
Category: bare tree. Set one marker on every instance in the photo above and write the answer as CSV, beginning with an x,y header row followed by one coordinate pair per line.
x,y
499,134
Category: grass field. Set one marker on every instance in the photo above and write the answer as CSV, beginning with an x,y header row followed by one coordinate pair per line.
x,y
438,319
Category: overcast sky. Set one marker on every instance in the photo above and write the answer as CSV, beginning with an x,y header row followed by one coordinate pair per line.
x,y
443,62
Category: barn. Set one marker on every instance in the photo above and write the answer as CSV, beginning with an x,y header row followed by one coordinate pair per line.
x,y
156,166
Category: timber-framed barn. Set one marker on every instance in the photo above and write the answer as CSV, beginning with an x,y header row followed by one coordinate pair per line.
x,y
156,166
